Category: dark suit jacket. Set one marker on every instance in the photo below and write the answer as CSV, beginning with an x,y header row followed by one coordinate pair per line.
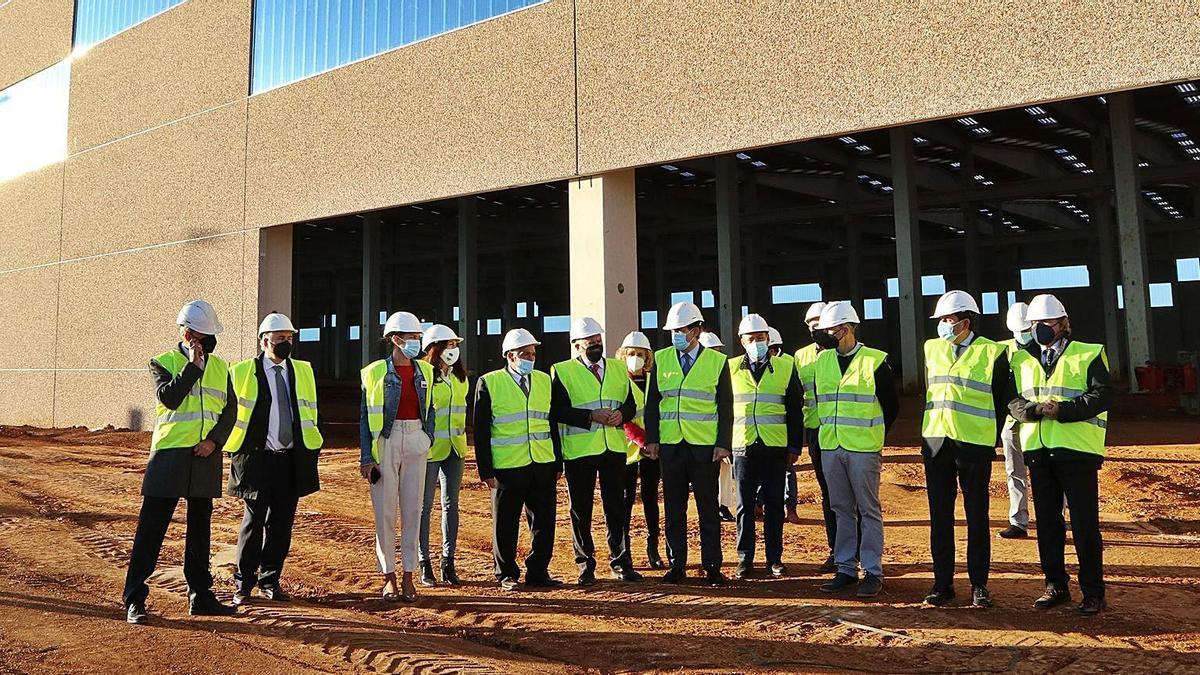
x,y
247,470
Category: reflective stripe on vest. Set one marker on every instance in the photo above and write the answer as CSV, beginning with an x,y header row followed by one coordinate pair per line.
x,y
373,378
245,387
639,420
520,425
958,392
1068,381
450,418
847,407
758,410
191,422
688,410
806,370
589,394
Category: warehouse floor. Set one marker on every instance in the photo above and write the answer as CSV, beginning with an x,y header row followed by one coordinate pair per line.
x,y
68,507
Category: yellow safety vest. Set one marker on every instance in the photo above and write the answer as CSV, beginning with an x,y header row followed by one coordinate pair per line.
x,y
373,377
1069,380
589,394
688,410
958,392
639,420
758,410
450,418
806,370
245,386
520,424
195,417
851,417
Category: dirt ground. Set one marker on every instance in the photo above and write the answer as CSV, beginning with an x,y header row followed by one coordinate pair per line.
x,y
69,501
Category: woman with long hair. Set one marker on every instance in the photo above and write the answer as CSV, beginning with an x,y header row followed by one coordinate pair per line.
x,y
635,351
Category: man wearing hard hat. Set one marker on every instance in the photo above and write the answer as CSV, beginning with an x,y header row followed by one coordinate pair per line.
x,y
856,404
689,411
1014,461
775,348
273,452
590,401
194,412
1062,403
518,459
967,389
768,419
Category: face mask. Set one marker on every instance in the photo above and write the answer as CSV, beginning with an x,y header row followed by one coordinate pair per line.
x,y
1044,335
824,340
209,343
946,330
635,363
594,353
523,367
411,348
679,341
756,350
1024,337
282,350
450,356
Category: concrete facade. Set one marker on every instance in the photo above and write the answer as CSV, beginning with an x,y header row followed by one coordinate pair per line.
x,y
173,169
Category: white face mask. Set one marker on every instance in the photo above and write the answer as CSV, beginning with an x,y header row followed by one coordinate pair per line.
x,y
450,356
635,363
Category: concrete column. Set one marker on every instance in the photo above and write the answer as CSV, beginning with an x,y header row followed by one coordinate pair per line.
x,y
468,281
274,271
908,257
372,268
1101,211
729,248
603,249
1131,233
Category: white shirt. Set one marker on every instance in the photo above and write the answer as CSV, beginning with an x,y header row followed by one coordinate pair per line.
x,y
277,398
588,364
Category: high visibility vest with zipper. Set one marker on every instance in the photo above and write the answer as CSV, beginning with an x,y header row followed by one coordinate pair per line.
x,y
588,393
849,411
450,418
806,370
688,409
639,420
245,386
373,378
758,409
1069,380
958,391
189,424
520,424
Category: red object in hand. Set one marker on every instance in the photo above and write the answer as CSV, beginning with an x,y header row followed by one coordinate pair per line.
x,y
636,434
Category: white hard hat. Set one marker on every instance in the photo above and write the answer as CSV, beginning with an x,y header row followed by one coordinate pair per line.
x,y
814,311
275,321
402,322
437,333
837,313
1043,307
710,340
775,338
200,316
1015,320
953,302
753,323
636,339
682,315
517,338
585,327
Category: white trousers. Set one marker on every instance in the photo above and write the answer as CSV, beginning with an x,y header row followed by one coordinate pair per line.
x,y
402,458
1018,477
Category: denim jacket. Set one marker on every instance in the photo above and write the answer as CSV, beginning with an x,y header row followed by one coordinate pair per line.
x,y
391,403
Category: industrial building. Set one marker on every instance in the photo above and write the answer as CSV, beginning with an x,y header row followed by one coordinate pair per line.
x,y
514,163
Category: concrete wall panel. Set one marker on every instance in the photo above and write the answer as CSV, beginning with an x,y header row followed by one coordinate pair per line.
x,y
34,35
85,398
27,301
28,397
32,218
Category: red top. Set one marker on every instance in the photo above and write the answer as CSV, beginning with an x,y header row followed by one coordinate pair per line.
x,y
410,407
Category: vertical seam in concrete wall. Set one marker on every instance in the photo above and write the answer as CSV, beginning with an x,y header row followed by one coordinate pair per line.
x,y
575,69
62,210
245,192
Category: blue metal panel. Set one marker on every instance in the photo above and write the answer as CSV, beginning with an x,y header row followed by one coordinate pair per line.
x,y
98,20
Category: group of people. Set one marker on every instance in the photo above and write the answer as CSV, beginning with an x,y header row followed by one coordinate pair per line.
x,y
674,416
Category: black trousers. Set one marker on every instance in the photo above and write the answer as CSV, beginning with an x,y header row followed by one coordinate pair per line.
x,y
651,475
1078,482
260,558
814,454
581,488
945,473
689,468
153,520
760,470
532,489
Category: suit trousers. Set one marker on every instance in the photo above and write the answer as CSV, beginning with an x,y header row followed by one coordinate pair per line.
x,y
152,524
1078,481
760,470
533,489
945,473
581,474
265,536
688,469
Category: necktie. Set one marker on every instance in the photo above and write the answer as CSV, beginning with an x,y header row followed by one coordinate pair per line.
x,y
1049,358
525,385
685,362
596,372
283,409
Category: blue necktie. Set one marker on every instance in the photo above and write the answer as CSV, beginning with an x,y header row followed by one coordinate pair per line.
x,y
685,362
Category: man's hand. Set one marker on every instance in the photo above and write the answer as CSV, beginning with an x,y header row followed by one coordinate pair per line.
x,y
197,352
651,450
365,470
205,448
490,482
600,416
615,418
1050,409
720,454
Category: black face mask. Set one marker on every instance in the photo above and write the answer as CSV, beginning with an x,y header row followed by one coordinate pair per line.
x,y
594,353
209,343
824,340
1044,335
282,349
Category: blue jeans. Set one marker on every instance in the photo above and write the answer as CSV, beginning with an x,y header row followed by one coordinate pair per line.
x,y
449,473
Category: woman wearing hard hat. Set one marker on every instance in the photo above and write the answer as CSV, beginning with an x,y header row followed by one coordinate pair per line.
x,y
443,351
396,423
638,357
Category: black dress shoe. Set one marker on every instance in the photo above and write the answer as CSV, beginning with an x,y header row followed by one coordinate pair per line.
x,y
427,578
449,576
508,583
1091,606
980,596
206,604
939,597
777,569
840,582
1013,532
743,570
135,612
829,566
274,592
626,574
714,578
870,586
726,514
1053,597
542,582
587,578
655,560
675,575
